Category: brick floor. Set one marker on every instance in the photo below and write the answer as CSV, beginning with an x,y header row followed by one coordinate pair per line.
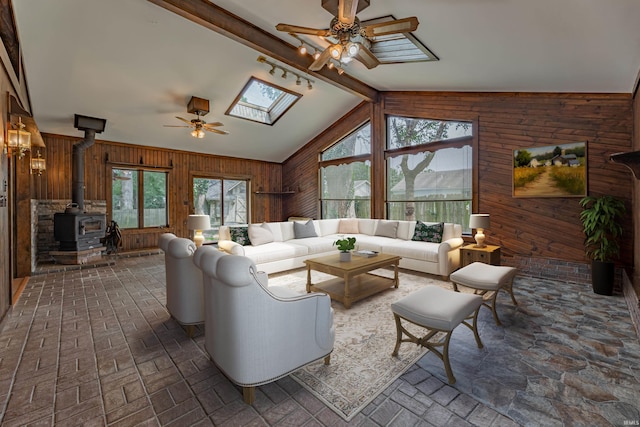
x,y
96,346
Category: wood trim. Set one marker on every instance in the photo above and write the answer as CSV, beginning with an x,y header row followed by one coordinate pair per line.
x,y
215,18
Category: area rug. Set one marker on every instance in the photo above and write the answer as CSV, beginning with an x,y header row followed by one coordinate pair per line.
x,y
361,363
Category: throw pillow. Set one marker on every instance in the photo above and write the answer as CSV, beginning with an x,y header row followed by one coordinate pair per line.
x,y
428,233
240,235
304,229
348,226
260,234
387,229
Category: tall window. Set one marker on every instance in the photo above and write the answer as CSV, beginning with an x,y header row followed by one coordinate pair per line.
x,y
345,176
429,170
139,198
224,200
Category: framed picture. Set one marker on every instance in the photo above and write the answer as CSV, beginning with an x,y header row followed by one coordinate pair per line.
x,y
551,171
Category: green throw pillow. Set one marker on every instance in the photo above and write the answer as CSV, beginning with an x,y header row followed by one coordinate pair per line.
x,y
240,235
428,233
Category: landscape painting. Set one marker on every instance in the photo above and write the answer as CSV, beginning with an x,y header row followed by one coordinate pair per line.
x,y
551,171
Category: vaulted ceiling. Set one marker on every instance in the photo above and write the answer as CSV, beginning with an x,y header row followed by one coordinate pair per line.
x,y
136,63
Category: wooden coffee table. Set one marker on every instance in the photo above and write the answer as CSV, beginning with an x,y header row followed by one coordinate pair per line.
x,y
354,281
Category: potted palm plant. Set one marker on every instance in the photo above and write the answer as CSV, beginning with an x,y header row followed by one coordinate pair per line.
x,y
345,246
600,221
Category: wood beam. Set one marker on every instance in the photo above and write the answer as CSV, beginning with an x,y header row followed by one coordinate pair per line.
x,y
215,18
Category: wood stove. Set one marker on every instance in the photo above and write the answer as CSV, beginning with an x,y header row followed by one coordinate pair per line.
x,y
75,229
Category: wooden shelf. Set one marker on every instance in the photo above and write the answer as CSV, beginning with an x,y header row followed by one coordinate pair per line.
x,y
630,159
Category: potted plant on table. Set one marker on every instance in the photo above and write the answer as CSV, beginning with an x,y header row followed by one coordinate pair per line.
x,y
345,246
600,221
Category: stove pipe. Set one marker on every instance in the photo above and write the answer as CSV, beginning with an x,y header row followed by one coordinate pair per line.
x,y
90,125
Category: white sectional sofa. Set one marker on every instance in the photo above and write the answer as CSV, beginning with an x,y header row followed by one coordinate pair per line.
x,y
278,249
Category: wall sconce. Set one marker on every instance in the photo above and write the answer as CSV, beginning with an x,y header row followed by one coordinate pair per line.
x,y
198,223
38,164
19,140
286,72
479,222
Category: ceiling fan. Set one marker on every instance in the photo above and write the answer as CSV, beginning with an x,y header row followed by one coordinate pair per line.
x,y
352,40
199,107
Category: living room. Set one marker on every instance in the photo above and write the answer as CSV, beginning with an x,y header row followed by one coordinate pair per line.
x,y
542,237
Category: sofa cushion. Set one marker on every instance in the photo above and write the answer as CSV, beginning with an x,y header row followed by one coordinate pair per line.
x,y
428,232
315,245
422,251
274,251
260,234
240,235
348,226
328,226
367,226
387,229
303,230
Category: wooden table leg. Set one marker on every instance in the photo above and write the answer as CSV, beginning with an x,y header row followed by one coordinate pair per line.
x,y
308,278
347,293
395,274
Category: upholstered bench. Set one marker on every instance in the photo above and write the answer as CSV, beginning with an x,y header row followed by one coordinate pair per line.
x,y
486,280
437,310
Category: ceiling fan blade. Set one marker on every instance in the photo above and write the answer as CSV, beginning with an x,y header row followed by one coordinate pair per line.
x,y
302,30
324,57
184,120
405,25
176,126
212,124
365,56
347,11
221,132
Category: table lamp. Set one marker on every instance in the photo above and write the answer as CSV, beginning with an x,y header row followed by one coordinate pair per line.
x,y
198,223
479,222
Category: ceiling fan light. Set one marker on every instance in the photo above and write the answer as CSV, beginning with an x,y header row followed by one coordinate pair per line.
x,y
330,65
336,51
194,133
352,49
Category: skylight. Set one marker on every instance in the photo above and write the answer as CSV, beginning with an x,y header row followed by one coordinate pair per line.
x,y
394,48
262,102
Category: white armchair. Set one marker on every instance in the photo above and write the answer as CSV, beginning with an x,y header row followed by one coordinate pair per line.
x,y
185,295
253,335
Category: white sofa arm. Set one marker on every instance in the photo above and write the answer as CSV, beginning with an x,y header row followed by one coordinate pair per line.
x,y
449,255
231,247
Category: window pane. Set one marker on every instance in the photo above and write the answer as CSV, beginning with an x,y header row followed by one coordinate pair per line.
x,y
406,132
346,190
208,200
155,199
235,202
262,102
358,142
433,211
124,197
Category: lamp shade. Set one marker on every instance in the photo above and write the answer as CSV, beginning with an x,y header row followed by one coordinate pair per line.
x,y
479,221
199,222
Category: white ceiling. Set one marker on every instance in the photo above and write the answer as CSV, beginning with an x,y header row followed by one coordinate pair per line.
x,y
137,64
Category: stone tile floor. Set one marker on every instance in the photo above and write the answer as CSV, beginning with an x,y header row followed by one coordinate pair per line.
x,y
97,347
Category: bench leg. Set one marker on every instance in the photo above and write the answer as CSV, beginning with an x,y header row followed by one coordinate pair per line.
x,y
249,395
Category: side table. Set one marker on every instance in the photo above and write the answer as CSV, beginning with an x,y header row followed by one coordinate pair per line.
x,y
489,255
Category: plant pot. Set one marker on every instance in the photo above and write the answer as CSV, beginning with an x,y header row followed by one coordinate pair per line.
x,y
345,256
602,277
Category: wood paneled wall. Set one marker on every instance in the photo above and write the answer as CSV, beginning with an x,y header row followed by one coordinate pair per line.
x,y
530,227
56,183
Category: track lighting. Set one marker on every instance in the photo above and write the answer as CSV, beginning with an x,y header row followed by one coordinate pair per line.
x,y
316,55
302,49
285,72
330,65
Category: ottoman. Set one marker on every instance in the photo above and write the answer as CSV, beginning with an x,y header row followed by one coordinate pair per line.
x,y
437,310
486,280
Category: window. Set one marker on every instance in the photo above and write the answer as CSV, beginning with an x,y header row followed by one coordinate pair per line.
x,y
345,176
224,200
429,170
262,102
130,210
